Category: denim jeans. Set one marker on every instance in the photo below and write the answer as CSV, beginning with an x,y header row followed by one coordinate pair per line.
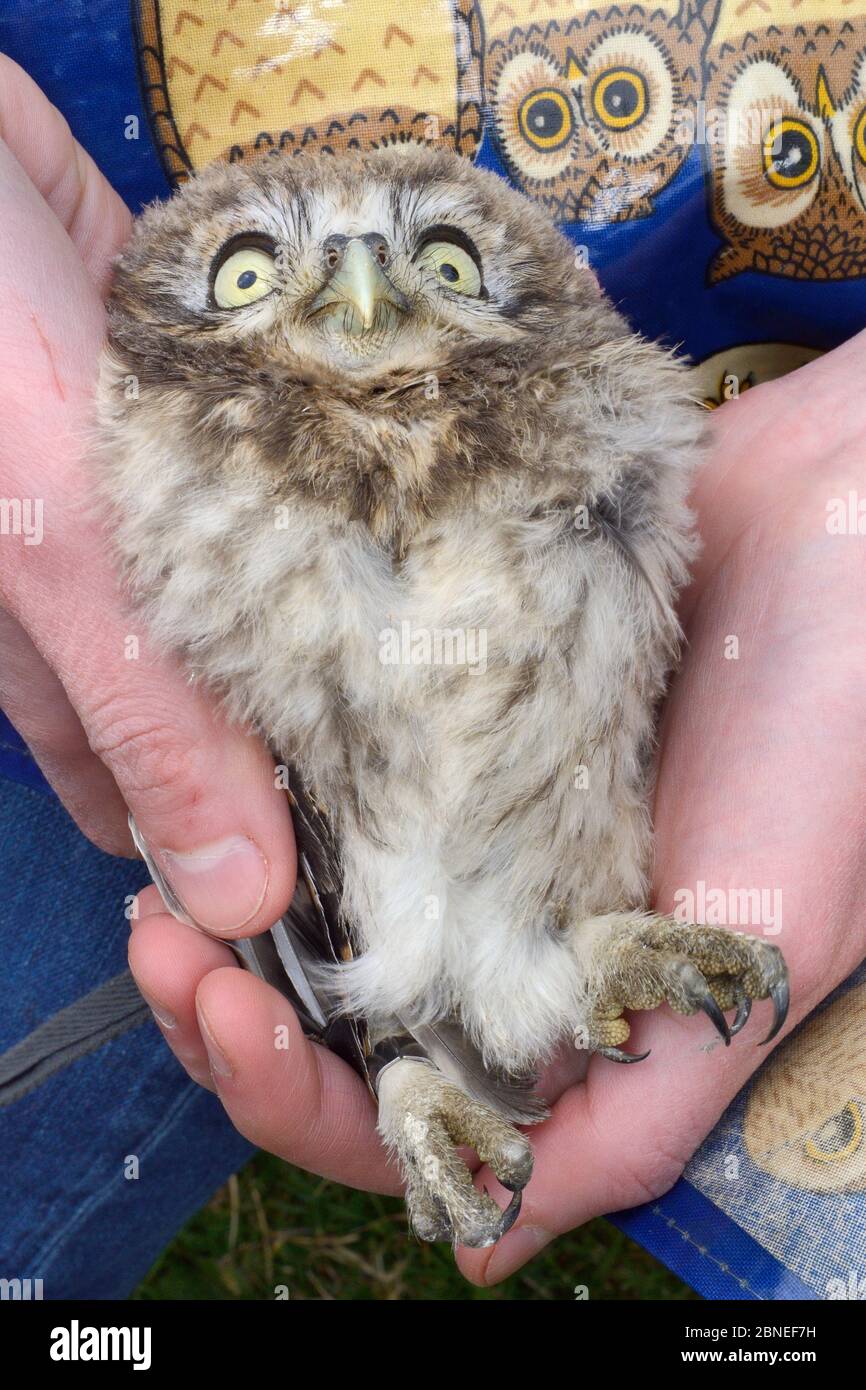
x,y
75,1210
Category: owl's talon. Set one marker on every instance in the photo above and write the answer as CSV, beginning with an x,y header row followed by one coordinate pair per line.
x,y
511,1212
744,1009
707,1003
780,993
652,960
617,1054
432,1225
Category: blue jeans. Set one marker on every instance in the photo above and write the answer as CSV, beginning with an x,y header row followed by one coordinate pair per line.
x,y
69,1213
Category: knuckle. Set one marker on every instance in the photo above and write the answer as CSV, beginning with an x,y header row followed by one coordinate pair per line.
x,y
146,755
107,838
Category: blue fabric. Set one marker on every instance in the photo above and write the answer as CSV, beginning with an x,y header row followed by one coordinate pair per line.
x,y
68,1213
707,1250
80,53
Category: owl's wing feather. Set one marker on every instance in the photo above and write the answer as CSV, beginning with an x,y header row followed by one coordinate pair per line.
x,y
307,935
313,933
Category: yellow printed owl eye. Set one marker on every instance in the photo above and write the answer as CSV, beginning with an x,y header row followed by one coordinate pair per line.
x,y
452,265
620,99
243,276
839,1138
860,136
791,153
545,119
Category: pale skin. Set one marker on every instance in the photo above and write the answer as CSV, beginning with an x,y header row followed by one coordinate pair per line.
x,y
761,769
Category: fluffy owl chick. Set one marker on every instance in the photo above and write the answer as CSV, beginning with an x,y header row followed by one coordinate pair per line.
x,y
401,485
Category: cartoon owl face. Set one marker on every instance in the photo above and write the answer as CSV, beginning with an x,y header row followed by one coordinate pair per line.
x,y
787,146
806,1117
587,107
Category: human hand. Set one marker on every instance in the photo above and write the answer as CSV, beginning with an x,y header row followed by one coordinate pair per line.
x,y
111,726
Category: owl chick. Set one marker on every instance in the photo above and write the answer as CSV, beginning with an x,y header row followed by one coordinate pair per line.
x,y
402,486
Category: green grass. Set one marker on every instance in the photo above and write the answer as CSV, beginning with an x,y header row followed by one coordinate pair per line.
x,y
274,1225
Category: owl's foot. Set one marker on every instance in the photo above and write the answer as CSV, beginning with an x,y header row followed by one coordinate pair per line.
x,y
423,1118
656,960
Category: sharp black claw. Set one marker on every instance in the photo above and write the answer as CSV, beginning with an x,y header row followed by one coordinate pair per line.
x,y
510,1186
710,1006
616,1054
511,1213
780,993
744,1008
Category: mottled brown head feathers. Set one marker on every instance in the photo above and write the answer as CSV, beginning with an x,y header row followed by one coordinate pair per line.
x,y
389,426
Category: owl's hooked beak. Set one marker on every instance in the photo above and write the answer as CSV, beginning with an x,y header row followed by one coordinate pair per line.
x,y
360,286
823,100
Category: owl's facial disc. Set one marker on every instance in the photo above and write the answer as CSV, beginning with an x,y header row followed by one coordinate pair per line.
x,y
355,271
358,297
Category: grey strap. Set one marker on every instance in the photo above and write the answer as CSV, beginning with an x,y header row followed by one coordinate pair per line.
x,y
114,1008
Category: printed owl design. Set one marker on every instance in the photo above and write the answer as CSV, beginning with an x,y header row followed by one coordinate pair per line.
x,y
786,123
737,369
805,1118
590,104
230,79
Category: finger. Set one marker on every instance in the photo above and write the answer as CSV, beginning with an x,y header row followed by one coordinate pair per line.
x,y
94,216
283,1092
168,961
202,793
148,903
34,700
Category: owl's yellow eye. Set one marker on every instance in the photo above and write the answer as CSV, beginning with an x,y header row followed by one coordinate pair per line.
x,y
245,275
860,136
839,1137
545,119
452,265
619,98
791,153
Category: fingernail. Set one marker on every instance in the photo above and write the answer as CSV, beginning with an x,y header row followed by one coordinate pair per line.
x,y
221,886
512,1252
160,1014
218,1063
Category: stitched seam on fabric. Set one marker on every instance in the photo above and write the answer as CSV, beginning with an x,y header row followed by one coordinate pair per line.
x,y
43,1261
42,1067
723,1268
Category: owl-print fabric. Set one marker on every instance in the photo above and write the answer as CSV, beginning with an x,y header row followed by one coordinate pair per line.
x,y
589,108
788,169
236,80
786,1164
708,159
